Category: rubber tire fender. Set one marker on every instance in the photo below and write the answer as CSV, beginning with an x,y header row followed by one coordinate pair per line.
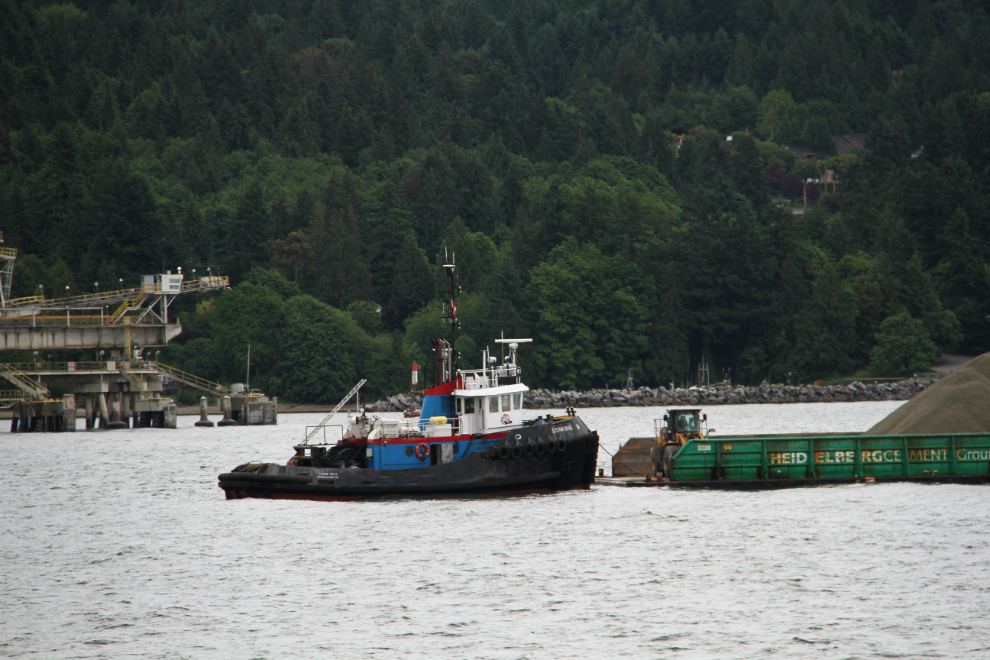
x,y
504,453
540,447
561,445
517,452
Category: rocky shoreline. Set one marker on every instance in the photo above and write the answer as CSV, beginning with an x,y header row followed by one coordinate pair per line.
x,y
540,399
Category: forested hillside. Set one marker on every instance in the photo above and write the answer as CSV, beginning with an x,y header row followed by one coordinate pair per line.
x,y
572,153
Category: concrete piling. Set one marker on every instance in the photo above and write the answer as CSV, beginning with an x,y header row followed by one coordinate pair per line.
x,y
125,408
48,416
104,415
225,407
115,421
204,419
88,399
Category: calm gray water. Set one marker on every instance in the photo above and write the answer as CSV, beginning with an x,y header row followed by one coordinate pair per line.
x,y
120,545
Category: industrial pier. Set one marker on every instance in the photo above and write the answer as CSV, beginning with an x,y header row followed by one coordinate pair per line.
x,y
120,388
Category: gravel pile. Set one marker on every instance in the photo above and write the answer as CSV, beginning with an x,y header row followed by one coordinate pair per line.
x,y
959,403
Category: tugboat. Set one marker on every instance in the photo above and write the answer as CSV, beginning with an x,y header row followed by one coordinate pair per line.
x,y
470,438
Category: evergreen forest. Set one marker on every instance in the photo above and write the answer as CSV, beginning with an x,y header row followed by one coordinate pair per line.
x,y
610,176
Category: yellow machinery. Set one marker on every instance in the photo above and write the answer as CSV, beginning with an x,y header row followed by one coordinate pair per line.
x,y
651,456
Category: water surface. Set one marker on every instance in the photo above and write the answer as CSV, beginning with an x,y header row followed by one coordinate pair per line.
x,y
119,544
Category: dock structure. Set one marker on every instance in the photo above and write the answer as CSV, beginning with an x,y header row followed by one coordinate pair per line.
x,y
115,394
119,390
7,258
120,319
246,406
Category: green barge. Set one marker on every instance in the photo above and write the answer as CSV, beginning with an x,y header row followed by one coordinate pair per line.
x,y
681,453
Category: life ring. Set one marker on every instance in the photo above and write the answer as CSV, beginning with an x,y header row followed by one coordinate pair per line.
x,y
422,451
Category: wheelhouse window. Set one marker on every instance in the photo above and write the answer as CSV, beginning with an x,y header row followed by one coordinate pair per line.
x,y
517,401
506,403
493,404
460,406
468,406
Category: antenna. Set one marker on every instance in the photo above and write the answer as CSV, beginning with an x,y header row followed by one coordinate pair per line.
x,y
450,368
7,258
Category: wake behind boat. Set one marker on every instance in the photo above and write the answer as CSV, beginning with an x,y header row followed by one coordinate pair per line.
x,y
471,438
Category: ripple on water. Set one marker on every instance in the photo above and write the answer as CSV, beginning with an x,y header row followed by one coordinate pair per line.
x,y
125,546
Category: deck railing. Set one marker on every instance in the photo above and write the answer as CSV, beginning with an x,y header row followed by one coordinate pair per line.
x,y
72,367
22,380
475,379
211,283
126,306
189,379
66,321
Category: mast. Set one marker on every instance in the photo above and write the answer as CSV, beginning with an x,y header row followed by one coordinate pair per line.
x,y
450,317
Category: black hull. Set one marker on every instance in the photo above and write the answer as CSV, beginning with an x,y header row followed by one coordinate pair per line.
x,y
569,466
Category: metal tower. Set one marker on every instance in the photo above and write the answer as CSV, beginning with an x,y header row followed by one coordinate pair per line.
x,y
7,258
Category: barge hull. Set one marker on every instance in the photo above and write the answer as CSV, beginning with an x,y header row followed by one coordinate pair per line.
x,y
775,484
800,460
